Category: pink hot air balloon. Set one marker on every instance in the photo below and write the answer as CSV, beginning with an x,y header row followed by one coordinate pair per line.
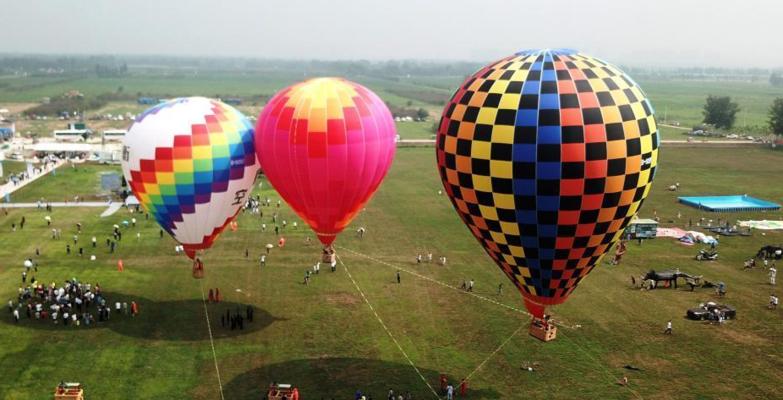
x,y
325,144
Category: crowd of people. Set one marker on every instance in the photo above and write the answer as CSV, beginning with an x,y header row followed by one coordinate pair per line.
x,y
71,303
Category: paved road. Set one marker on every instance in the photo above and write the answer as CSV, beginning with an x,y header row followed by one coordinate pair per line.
x,y
111,207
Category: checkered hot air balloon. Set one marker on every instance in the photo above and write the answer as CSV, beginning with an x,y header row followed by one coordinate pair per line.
x,y
546,156
325,144
191,163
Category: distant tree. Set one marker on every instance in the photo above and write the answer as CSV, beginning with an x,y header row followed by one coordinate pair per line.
x,y
720,111
776,117
775,79
422,114
409,103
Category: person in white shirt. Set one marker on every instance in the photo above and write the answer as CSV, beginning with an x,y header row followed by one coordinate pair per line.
x,y
773,273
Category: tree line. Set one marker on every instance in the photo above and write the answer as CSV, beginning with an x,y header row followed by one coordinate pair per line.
x,y
721,112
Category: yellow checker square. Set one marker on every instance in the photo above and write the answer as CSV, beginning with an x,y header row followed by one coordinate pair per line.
x,y
490,213
631,129
521,274
487,115
508,258
499,87
519,75
600,73
611,114
503,134
509,101
619,97
218,139
598,85
483,183
482,150
638,110
637,92
647,143
164,178
201,153
510,228
516,251
652,124
498,237
183,165
505,201
501,169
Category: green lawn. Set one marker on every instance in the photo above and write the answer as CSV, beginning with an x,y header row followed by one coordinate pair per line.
x,y
326,340
70,180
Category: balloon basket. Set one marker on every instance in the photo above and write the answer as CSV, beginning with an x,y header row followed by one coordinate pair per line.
x,y
328,255
198,270
542,330
69,391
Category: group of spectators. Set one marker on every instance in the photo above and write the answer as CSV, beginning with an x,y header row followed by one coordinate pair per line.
x,y
420,259
72,303
236,320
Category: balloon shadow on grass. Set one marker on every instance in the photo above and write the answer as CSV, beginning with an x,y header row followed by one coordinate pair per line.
x,y
340,378
176,320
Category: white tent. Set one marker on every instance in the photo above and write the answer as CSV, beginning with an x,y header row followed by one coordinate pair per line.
x,y
131,201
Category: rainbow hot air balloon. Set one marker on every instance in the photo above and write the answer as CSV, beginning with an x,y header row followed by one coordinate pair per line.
x,y
191,163
546,156
325,144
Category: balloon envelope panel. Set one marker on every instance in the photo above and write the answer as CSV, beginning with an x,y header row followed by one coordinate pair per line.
x,y
325,144
191,163
546,156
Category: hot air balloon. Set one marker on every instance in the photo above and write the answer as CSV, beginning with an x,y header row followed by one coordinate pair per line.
x,y
325,145
191,163
547,155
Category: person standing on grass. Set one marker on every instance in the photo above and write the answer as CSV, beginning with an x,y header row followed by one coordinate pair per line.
x,y
773,273
450,392
398,276
470,285
68,249
24,276
21,223
263,260
16,315
211,296
247,253
418,259
773,301
134,309
668,330
334,266
94,242
500,288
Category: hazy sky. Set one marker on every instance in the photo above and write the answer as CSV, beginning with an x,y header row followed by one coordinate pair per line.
x,y
660,32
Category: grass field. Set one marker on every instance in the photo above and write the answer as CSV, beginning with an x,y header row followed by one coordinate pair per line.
x,y
326,339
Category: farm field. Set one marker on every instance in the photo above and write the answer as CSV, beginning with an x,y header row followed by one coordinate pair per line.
x,y
676,100
357,328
